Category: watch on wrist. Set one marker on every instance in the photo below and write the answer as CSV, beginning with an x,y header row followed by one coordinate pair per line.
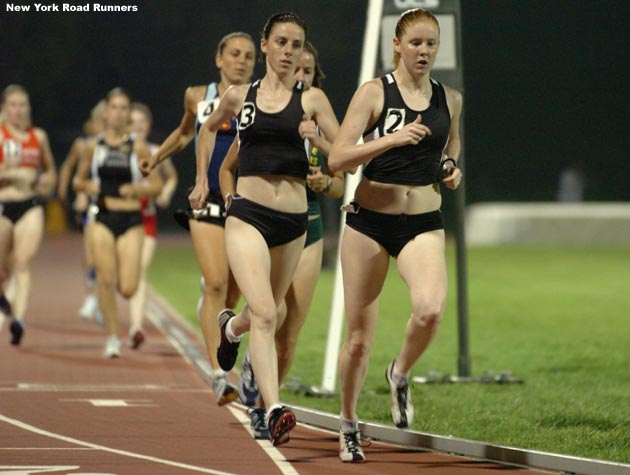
x,y
328,186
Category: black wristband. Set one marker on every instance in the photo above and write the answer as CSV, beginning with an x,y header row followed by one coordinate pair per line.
x,y
448,159
441,170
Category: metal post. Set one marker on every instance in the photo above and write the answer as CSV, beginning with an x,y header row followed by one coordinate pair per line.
x,y
463,357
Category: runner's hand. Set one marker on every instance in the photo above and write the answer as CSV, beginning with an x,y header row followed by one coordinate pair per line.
x,y
411,133
197,197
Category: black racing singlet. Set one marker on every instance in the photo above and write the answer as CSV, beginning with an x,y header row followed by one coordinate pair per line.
x,y
414,165
270,144
114,166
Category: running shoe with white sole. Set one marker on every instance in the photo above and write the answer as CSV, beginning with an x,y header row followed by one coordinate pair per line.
x,y
224,391
350,447
247,388
89,307
227,351
281,421
257,423
401,405
112,348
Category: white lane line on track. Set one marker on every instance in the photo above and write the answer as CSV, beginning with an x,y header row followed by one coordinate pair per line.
x,y
99,387
32,469
125,453
44,448
274,454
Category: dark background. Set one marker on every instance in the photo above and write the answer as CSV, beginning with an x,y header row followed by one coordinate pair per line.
x,y
545,82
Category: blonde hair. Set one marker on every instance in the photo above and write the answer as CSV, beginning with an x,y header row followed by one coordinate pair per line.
x,y
143,109
9,90
407,19
88,125
229,36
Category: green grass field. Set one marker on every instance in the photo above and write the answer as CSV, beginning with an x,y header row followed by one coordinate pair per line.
x,y
557,317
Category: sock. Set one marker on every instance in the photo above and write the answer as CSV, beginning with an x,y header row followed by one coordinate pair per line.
x,y
229,333
17,321
217,372
399,379
348,425
90,278
5,306
270,409
199,304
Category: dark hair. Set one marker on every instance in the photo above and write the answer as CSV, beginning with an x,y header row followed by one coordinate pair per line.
x,y
229,36
283,17
117,91
319,72
143,109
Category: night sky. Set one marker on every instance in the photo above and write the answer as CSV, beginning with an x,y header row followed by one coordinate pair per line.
x,y
545,82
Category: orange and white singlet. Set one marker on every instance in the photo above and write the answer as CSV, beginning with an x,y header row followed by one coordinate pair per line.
x,y
15,153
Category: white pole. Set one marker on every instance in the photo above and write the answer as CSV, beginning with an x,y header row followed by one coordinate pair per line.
x,y
368,66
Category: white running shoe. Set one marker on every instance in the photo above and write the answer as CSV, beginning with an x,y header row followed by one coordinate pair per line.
x,y
350,447
112,347
89,307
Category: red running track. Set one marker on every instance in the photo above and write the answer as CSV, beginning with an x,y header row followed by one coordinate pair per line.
x,y
65,409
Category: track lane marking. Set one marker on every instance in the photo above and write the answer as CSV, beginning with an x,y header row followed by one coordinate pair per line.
x,y
71,440
44,448
274,454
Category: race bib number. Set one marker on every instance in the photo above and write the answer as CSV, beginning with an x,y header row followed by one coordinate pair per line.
x,y
100,155
394,120
247,115
12,151
205,108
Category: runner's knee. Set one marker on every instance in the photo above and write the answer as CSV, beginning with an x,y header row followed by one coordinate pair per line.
x,y
427,314
214,288
264,316
127,289
106,280
358,346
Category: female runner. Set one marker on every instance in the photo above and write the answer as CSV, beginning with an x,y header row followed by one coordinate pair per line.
x,y
141,122
235,59
267,219
27,171
109,169
409,123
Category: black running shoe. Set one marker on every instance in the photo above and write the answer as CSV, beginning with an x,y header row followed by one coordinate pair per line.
x,y
17,331
5,307
281,421
227,351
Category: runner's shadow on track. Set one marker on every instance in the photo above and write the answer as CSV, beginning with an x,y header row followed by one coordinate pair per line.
x,y
87,331
326,448
91,354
